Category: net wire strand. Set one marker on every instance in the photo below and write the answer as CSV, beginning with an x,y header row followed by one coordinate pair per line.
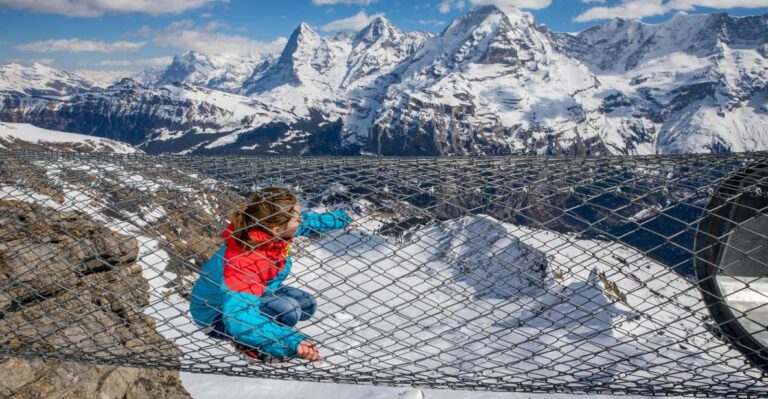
x,y
410,293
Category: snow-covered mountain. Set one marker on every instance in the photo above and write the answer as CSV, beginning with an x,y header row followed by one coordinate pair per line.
x,y
148,76
225,73
493,82
14,136
306,76
340,77
378,48
147,116
105,78
697,82
40,80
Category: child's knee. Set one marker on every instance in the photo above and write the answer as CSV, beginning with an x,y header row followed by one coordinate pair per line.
x,y
308,307
305,300
284,310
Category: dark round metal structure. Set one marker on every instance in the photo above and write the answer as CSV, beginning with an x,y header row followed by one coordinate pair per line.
x,y
732,261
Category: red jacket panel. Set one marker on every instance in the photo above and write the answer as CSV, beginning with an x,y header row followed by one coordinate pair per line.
x,y
249,271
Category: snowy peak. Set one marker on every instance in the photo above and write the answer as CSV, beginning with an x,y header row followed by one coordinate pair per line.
x,y
488,71
183,66
492,35
307,59
39,79
304,31
749,31
623,45
302,40
486,35
379,29
126,84
149,76
488,16
377,49
299,50
226,73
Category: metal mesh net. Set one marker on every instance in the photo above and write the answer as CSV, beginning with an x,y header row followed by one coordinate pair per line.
x,y
639,275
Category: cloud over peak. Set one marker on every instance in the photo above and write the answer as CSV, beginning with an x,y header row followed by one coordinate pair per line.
x,y
355,22
207,38
520,4
650,8
80,46
97,8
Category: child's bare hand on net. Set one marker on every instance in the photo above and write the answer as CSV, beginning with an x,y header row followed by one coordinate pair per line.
x,y
308,350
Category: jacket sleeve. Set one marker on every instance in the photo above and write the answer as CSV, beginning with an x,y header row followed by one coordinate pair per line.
x,y
322,222
250,327
312,223
206,298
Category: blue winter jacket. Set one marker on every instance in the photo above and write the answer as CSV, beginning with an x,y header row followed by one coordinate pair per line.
x,y
228,313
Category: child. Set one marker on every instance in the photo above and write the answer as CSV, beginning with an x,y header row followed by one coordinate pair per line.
x,y
239,293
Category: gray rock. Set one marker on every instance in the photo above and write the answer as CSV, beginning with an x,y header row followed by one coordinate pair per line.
x,y
73,287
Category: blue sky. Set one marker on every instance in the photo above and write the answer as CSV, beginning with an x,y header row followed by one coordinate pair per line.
x,y
130,35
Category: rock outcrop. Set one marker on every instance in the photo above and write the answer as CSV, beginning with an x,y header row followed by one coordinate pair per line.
x,y
71,287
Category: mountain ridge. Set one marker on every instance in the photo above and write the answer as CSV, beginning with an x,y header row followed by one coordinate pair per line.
x,y
492,82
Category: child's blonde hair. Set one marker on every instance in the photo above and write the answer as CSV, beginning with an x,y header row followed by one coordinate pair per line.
x,y
265,209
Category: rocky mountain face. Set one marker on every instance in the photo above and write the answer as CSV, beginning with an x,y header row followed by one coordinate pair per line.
x,y
26,378
75,273
493,82
50,307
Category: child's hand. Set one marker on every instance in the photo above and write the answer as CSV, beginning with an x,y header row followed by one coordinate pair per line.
x,y
308,350
351,222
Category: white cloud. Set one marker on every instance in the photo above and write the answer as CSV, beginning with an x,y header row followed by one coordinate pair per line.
x,y
446,5
649,8
80,46
206,39
157,61
627,9
521,4
96,8
328,2
355,22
